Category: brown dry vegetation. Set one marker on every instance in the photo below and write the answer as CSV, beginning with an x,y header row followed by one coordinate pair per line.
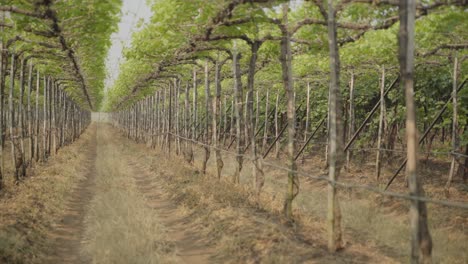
x,y
370,219
120,227
241,226
31,211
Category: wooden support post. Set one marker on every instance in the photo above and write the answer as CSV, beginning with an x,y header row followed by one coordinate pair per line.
x,y
3,66
306,128
321,122
53,119
195,104
29,114
421,139
44,121
266,120
232,125
455,140
16,162
335,136
352,120
277,143
21,120
169,118
421,242
371,113
216,110
239,112
381,126
208,105
177,110
36,118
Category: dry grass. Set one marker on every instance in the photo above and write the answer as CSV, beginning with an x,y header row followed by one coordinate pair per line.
x,y
244,228
378,222
120,228
30,210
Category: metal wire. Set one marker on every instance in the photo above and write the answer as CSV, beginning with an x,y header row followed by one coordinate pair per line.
x,y
345,185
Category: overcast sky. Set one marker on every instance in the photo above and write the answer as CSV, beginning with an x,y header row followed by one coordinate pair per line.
x,y
132,12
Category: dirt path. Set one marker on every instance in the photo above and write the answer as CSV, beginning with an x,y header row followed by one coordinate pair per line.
x,y
68,234
139,206
191,247
117,214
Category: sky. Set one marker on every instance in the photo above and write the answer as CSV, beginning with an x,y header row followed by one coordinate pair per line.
x,y
132,12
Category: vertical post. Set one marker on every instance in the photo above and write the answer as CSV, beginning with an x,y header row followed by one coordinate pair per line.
x,y
225,119
232,126
239,111
207,118
277,144
177,113
36,118
265,125
3,66
44,119
217,110
162,134
306,129
169,127
29,113
381,126
195,104
54,128
252,121
421,242
21,116
455,140
49,115
352,121
158,116
188,144
286,65
12,117
335,135
257,112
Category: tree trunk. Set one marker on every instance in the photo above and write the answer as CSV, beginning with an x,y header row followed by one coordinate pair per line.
x,y
286,66
421,242
238,112
335,137
257,170
21,133
16,161
208,105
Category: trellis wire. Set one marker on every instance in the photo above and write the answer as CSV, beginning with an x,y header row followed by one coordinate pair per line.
x,y
338,183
